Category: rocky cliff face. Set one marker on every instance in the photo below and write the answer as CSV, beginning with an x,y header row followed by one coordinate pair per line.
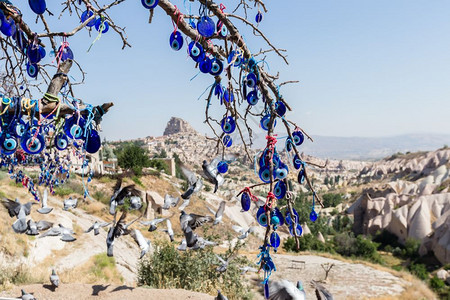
x,y
177,125
418,209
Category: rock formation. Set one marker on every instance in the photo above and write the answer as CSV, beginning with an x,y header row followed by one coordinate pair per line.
x,y
177,125
418,209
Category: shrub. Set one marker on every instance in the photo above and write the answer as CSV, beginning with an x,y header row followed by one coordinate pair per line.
x,y
331,200
307,242
191,270
419,270
347,245
436,283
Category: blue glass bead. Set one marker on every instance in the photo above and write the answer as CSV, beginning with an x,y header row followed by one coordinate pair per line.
x,y
34,54
301,176
227,141
31,144
261,216
274,220
266,290
221,29
279,190
93,142
265,122
149,4
313,216
259,17
222,167
251,80
280,108
218,91
252,98
264,159
66,54
37,6
228,124
288,218
61,141
264,174
288,144
101,26
297,162
298,137
228,96
73,129
216,67
276,159
19,129
205,65
275,240
206,26
281,172
8,27
32,70
176,40
245,201
86,15
237,59
299,230
8,144
196,51
277,212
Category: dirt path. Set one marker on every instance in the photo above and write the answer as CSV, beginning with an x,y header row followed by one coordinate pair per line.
x,y
75,291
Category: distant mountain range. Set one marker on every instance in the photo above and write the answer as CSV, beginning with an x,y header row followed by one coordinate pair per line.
x,y
372,148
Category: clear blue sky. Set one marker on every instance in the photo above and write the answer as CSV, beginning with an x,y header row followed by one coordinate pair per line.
x,y
366,68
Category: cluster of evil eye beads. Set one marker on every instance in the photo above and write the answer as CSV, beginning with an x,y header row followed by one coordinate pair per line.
x,y
24,131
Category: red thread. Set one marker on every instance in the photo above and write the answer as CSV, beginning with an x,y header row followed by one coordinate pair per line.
x,y
179,16
248,191
271,199
222,7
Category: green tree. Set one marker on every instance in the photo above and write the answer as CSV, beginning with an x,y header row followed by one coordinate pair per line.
x,y
134,158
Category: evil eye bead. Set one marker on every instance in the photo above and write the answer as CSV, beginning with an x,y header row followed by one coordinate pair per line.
x,y
298,137
275,240
228,95
236,57
101,26
74,128
35,54
206,26
228,125
274,220
222,167
288,218
301,176
276,159
61,141
227,141
216,67
76,131
252,98
9,145
280,190
281,172
195,51
32,70
259,17
93,142
245,201
264,174
280,108
86,15
298,229
221,29
66,53
313,216
33,144
288,144
20,129
261,217
176,40
265,122
297,162
251,80
205,65
37,6
149,4
8,27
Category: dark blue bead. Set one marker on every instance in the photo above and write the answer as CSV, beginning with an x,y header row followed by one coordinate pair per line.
x,y
245,201
280,190
227,141
206,26
298,137
264,174
222,167
261,217
37,6
313,216
176,40
228,124
275,240
102,26
86,15
205,65
149,4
